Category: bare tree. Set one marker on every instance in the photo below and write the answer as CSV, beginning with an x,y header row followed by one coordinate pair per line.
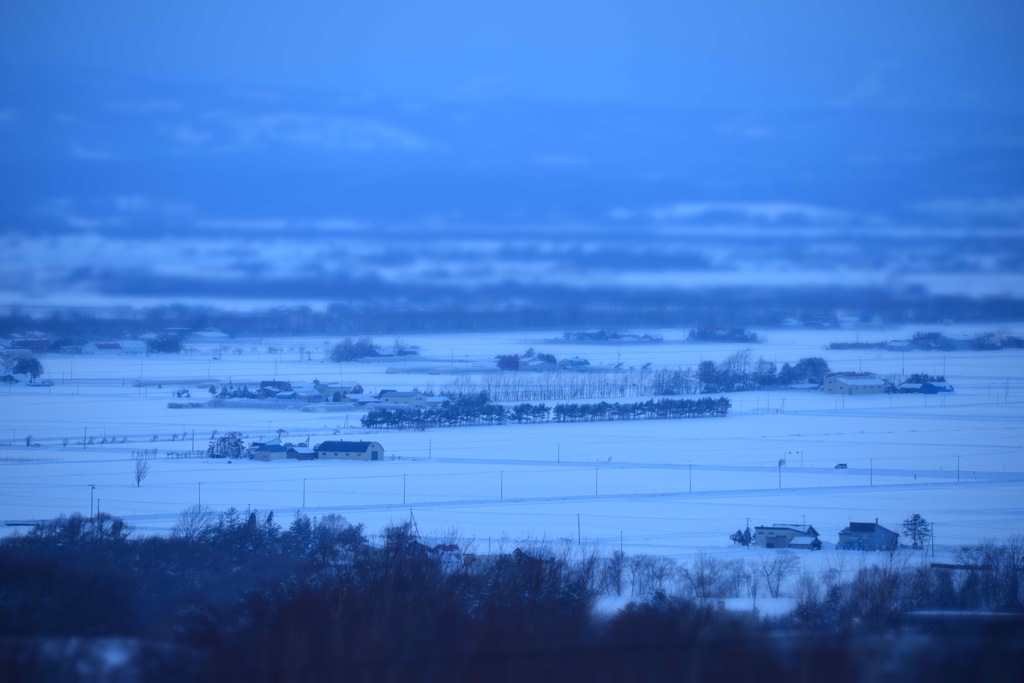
x,y
638,567
614,571
195,524
704,576
660,571
808,600
141,470
775,568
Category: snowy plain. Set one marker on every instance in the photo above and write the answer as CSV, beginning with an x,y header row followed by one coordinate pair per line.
x,y
665,487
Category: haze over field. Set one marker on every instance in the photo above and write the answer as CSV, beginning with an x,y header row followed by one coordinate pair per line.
x,y
394,154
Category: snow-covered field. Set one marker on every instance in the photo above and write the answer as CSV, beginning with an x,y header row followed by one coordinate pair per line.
x,y
665,487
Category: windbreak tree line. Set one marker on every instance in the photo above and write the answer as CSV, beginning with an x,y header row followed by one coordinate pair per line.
x,y
739,373
349,350
479,410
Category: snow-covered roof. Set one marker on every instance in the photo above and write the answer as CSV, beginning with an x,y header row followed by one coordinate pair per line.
x,y
861,382
209,334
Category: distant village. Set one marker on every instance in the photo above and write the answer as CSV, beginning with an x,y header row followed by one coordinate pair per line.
x,y
739,372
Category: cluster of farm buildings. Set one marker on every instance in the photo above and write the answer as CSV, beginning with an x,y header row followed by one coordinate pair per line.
x,y
857,383
857,536
328,450
332,392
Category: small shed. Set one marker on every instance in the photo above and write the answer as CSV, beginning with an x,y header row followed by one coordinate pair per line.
x,y
301,453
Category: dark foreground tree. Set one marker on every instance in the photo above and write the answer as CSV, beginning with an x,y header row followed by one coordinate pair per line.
x,y
28,366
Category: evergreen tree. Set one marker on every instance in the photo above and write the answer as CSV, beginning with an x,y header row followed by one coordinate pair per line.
x,y
916,528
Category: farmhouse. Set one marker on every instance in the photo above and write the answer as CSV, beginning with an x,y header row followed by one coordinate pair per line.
x,y
924,387
335,391
350,450
405,398
974,342
121,348
854,383
537,365
797,536
271,450
304,391
867,536
33,345
209,335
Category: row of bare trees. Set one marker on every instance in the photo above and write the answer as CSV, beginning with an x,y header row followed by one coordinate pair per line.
x,y
738,372
705,578
508,387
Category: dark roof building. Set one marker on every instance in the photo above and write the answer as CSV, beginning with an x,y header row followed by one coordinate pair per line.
x,y
349,450
867,536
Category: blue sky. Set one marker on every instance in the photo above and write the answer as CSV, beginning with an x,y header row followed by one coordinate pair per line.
x,y
909,54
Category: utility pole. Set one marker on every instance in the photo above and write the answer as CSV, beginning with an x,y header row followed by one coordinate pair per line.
x,y
193,442
85,437
303,493
691,478
872,471
595,482
958,469
501,487
200,494
403,489
579,533
92,489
